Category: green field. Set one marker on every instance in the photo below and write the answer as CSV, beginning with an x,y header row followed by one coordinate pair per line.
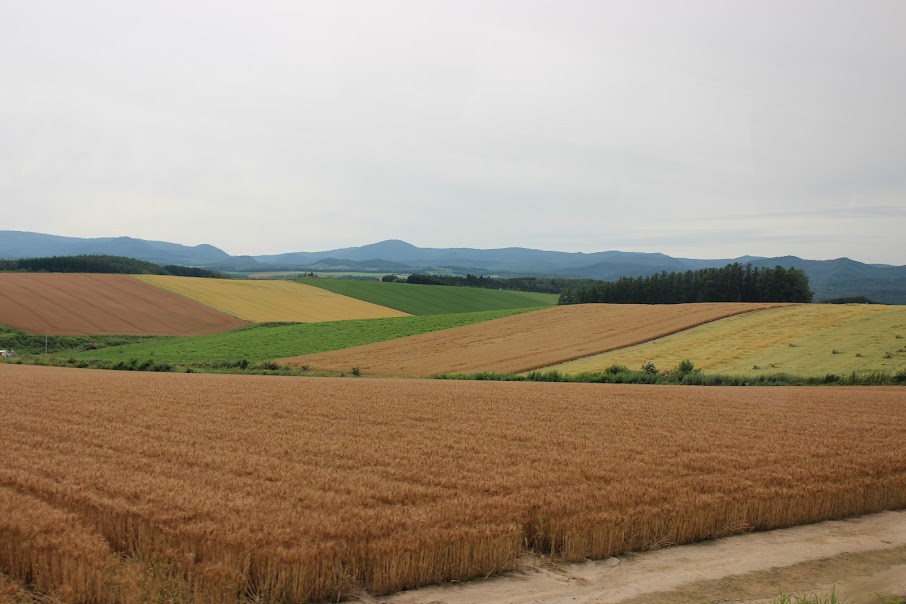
x,y
263,342
433,299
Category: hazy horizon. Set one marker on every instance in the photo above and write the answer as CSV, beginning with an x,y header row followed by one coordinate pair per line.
x,y
702,129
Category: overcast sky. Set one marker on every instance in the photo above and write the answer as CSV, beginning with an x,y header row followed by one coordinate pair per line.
x,y
696,129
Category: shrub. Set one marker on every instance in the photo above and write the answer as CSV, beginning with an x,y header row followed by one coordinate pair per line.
x,y
685,366
649,368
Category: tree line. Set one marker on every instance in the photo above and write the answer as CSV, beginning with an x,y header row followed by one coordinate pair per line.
x,y
733,283
99,263
546,285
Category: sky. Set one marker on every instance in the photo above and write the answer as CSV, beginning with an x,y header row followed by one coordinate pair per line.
x,y
703,129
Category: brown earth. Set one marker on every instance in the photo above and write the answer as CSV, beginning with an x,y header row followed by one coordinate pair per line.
x,y
306,488
523,342
101,304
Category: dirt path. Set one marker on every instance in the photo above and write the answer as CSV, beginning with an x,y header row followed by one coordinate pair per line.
x,y
862,557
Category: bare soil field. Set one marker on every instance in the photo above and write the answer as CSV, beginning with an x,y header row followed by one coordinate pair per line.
x,y
264,300
307,488
524,342
102,304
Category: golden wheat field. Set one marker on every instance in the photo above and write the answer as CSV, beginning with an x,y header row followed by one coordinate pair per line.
x,y
266,300
809,339
122,487
523,342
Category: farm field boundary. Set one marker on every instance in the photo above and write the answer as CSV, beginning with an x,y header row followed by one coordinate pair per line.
x,y
273,300
806,340
433,299
102,304
524,342
262,342
399,483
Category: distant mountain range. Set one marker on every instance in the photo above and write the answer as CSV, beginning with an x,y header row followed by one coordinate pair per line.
x,y
828,278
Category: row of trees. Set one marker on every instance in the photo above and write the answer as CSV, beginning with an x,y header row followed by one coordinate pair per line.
x,y
547,285
97,263
733,283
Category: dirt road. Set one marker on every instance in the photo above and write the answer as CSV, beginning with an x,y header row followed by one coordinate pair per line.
x,y
862,558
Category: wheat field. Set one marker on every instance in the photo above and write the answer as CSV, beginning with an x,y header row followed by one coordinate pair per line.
x,y
271,300
523,342
224,487
807,340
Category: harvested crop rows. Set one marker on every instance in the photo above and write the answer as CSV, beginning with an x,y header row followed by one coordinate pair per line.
x,y
96,304
262,300
808,340
300,489
524,342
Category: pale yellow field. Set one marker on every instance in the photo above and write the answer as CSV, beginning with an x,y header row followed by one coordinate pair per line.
x,y
806,340
262,301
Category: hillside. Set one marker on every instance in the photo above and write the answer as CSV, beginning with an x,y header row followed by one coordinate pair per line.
x,y
804,340
432,299
98,304
828,278
523,342
262,300
261,342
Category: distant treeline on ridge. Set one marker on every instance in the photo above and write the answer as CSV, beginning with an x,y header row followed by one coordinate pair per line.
x,y
733,283
545,285
103,264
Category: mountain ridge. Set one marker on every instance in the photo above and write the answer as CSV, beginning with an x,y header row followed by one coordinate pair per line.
x,y
833,278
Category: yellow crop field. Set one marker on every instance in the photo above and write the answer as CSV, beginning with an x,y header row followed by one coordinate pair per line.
x,y
806,340
265,489
261,301
523,342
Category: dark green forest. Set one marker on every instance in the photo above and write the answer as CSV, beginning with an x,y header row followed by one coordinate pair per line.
x,y
733,283
544,285
103,264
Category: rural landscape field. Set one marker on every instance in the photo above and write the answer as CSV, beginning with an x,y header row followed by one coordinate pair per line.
x,y
63,304
802,340
271,300
201,487
140,486
524,342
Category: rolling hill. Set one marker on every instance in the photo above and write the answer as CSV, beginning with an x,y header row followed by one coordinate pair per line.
x,y
828,278
98,304
803,340
433,299
523,342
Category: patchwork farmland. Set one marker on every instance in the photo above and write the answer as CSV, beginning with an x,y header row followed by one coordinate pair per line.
x,y
262,301
213,488
82,304
433,299
523,342
807,340
263,342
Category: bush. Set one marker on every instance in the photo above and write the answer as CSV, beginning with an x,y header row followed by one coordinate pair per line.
x,y
649,368
685,366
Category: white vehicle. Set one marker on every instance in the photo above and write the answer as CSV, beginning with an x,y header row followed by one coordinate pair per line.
x,y
9,354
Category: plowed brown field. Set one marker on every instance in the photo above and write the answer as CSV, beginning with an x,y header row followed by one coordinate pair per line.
x,y
294,489
77,304
524,342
